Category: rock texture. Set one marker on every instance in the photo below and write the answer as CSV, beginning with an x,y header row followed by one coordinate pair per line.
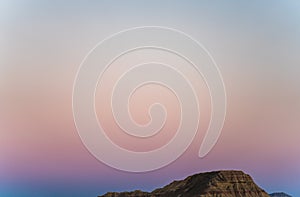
x,y
279,194
209,184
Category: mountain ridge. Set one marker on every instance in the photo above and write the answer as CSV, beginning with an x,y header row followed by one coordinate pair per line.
x,y
279,194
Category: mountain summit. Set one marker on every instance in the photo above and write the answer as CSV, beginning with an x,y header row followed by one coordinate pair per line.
x,y
209,184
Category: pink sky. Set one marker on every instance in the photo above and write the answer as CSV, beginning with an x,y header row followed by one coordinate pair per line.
x,y
258,61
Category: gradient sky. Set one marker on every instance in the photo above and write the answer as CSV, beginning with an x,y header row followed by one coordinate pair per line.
x,y
256,45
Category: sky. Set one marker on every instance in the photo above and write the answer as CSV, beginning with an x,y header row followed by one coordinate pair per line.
x,y
42,44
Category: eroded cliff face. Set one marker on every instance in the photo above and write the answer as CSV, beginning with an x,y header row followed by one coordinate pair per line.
x,y
210,184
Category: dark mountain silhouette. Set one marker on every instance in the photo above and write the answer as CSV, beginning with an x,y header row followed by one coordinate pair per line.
x,y
209,184
279,194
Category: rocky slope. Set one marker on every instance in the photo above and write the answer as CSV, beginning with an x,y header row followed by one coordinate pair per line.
x,y
209,184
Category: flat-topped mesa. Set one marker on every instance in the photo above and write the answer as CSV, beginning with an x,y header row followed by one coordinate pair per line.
x,y
136,193
228,183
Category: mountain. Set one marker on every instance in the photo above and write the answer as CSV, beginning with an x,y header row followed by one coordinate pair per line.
x,y
279,194
209,184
